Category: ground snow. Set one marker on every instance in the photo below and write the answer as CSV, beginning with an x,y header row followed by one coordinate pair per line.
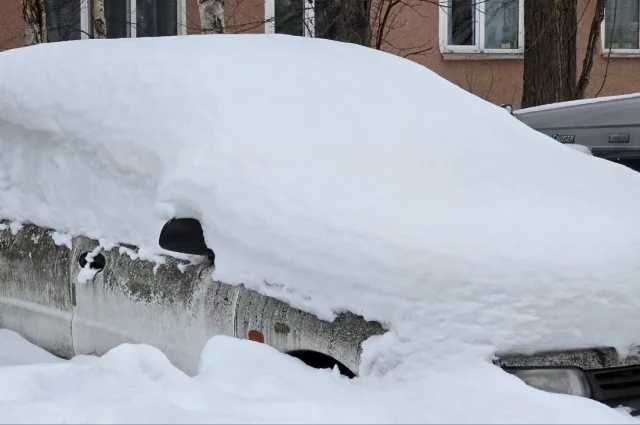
x,y
15,350
241,381
336,178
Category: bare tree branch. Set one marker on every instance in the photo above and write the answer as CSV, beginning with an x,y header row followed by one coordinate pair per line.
x,y
594,35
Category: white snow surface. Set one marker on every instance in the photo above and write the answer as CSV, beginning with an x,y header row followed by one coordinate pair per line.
x,y
333,177
62,239
16,351
580,148
240,381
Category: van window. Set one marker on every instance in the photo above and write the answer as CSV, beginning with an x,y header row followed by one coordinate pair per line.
x,y
627,157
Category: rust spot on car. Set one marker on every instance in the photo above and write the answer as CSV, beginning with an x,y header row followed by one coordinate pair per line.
x,y
256,336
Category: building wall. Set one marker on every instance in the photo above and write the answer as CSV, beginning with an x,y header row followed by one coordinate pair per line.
x,y
415,35
500,80
193,17
11,26
496,80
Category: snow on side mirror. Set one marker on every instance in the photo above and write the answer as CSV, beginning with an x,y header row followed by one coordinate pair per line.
x,y
184,235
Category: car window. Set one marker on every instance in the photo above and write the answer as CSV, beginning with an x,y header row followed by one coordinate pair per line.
x,y
627,157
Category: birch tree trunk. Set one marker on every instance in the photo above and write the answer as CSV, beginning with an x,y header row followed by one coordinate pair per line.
x,y
211,16
34,15
98,19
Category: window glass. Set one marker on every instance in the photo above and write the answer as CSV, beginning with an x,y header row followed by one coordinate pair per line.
x,y
289,17
462,19
63,20
326,17
118,18
621,24
633,163
501,24
156,18
627,157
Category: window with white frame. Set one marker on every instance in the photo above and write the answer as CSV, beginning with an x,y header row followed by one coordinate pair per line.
x,y
307,18
71,19
65,20
620,31
482,26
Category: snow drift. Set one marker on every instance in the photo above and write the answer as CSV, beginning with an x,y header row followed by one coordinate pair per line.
x,y
334,177
246,382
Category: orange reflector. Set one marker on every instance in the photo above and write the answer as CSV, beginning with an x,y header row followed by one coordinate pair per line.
x,y
256,336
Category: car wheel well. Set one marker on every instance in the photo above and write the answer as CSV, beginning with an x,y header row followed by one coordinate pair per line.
x,y
319,360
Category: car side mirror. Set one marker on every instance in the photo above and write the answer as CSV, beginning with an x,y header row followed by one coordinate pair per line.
x,y
508,107
184,235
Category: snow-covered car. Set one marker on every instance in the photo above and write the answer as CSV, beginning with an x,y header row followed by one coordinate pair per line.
x,y
340,204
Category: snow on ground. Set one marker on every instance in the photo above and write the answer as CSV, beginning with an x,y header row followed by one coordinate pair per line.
x,y
245,382
336,178
14,350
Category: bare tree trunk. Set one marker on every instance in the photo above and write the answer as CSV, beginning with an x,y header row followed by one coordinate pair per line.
x,y
211,16
550,52
353,23
34,15
594,36
98,19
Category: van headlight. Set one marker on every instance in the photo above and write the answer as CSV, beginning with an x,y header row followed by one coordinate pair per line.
x,y
562,381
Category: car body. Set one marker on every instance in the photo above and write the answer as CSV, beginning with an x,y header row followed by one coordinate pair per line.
x,y
127,301
177,307
130,301
608,126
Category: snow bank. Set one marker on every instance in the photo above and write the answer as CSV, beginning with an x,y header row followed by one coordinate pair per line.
x,y
15,350
334,177
246,382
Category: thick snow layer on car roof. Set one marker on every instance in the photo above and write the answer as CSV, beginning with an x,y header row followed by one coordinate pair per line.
x,y
334,177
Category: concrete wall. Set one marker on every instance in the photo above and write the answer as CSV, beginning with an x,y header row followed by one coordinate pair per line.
x,y
127,301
